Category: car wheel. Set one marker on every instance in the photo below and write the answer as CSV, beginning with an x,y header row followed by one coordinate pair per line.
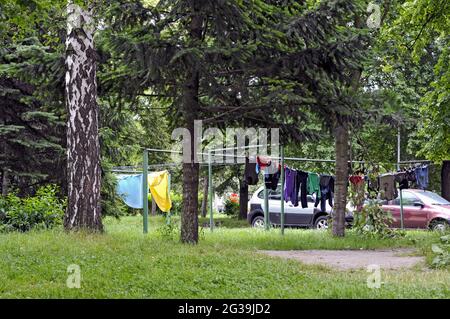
x,y
321,223
439,225
258,222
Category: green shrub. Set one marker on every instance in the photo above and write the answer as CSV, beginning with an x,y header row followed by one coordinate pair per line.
x,y
441,253
44,210
373,221
170,230
177,203
231,208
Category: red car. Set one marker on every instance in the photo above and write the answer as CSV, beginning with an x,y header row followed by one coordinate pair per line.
x,y
421,209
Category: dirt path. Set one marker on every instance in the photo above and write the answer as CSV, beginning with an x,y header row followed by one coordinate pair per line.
x,y
352,259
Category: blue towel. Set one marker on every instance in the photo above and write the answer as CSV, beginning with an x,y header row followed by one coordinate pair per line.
x,y
129,188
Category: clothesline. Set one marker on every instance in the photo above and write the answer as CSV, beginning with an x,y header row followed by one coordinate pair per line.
x,y
210,163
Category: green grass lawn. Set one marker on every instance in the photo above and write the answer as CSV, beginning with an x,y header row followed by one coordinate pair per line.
x,y
124,263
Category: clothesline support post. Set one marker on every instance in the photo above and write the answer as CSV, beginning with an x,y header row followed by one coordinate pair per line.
x,y
401,210
168,191
266,208
210,192
145,190
282,190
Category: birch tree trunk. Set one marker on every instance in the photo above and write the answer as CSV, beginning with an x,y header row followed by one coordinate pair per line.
x,y
83,149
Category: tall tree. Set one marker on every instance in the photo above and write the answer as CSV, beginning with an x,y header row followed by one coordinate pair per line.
x,y
252,63
420,34
83,150
31,120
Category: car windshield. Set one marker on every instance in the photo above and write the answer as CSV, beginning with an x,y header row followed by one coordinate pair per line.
x,y
435,199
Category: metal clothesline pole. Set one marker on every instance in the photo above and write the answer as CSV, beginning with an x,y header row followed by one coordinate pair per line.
x,y
282,190
145,191
210,191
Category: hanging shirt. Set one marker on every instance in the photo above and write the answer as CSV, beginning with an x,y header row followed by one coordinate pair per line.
x,y
402,180
302,181
313,184
357,186
411,175
290,185
250,173
158,183
422,177
271,180
263,162
356,179
326,192
388,190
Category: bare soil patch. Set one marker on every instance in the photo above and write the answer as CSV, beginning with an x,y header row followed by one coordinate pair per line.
x,y
352,259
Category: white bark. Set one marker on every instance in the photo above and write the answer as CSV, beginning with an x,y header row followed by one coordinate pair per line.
x,y
83,150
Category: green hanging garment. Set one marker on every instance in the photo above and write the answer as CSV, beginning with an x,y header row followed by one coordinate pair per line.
x,y
313,184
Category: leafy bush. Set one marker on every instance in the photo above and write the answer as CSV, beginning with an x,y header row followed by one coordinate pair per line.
x,y
169,231
177,203
231,208
44,210
373,221
442,252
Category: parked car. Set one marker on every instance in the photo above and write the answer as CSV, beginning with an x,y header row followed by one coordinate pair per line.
x,y
310,216
421,209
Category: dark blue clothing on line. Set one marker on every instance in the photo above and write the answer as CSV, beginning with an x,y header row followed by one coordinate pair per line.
x,y
422,177
326,192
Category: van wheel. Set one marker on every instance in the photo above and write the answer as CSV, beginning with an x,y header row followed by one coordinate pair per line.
x,y
321,223
258,222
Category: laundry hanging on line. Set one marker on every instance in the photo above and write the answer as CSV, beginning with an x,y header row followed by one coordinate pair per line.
x,y
129,188
422,177
388,189
402,180
250,172
295,182
357,183
271,179
302,183
326,192
313,184
290,186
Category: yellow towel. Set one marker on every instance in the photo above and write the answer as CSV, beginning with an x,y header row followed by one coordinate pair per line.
x,y
158,183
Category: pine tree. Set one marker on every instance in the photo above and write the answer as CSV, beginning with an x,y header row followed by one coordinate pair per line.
x,y
257,63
